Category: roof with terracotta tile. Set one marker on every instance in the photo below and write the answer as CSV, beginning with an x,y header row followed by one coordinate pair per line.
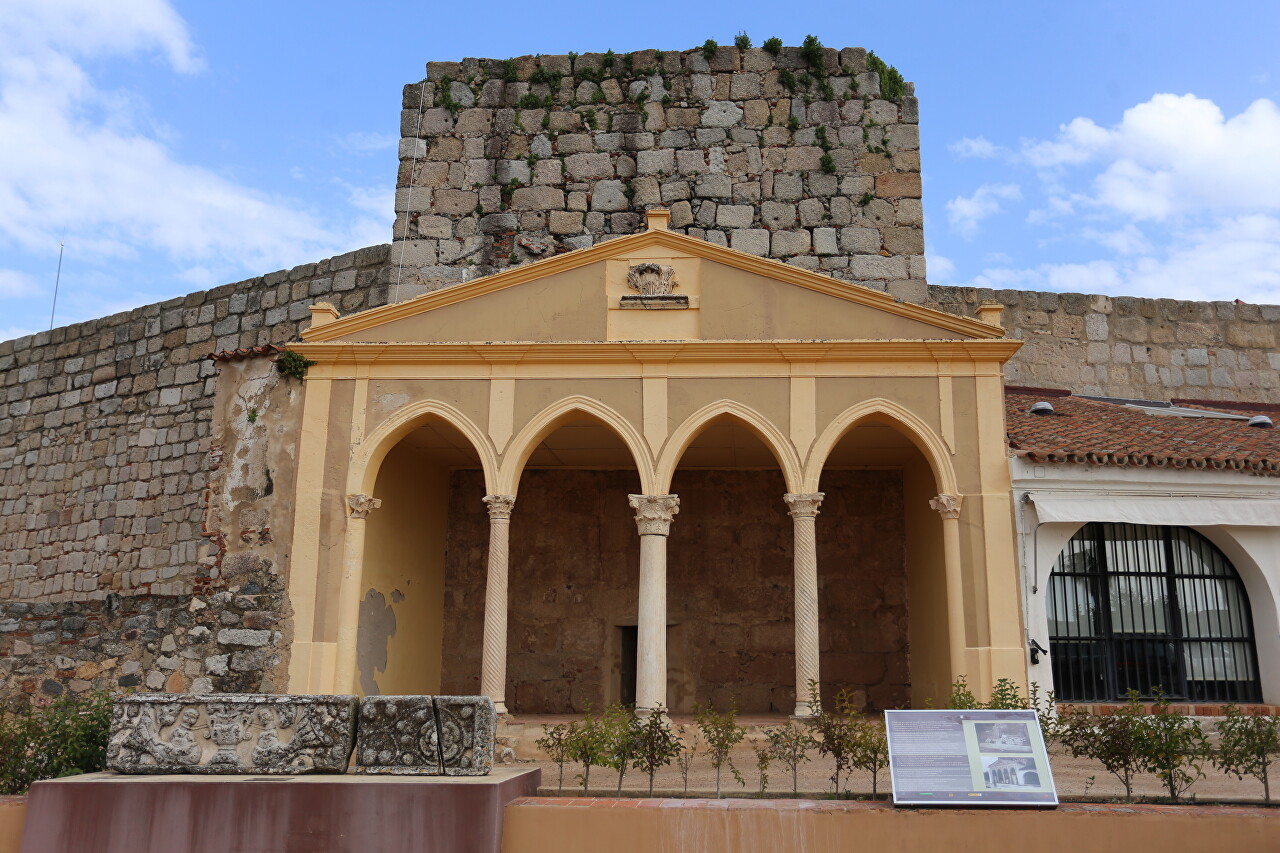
x,y
245,352
1111,433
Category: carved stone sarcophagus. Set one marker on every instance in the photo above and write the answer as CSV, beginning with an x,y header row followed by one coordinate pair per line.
x,y
426,735
234,733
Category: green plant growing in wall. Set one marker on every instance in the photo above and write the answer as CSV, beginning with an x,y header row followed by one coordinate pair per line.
x,y
1247,745
656,745
509,73
821,133
721,733
828,92
293,364
608,59
641,97
772,46
530,101
805,79
658,56
866,199
557,742
446,96
589,118
828,163
252,416
793,123
892,86
543,76
811,51
709,48
787,80
742,41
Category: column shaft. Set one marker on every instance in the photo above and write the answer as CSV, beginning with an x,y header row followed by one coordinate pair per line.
x,y
804,511
948,506
653,521
493,665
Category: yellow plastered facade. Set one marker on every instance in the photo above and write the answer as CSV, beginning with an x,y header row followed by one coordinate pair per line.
x,y
796,358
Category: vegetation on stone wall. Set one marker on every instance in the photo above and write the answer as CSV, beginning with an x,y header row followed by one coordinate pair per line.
x,y
64,738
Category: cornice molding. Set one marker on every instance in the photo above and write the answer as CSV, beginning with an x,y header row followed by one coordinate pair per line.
x,y
680,243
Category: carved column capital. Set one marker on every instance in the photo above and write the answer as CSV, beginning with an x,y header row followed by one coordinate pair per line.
x,y
499,506
948,506
654,513
803,506
361,504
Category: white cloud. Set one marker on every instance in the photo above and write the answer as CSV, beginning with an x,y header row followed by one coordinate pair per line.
x,y
941,269
77,158
979,148
1234,258
365,142
966,212
15,283
1173,155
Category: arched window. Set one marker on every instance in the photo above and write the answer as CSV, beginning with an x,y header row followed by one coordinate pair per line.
x,y
1140,606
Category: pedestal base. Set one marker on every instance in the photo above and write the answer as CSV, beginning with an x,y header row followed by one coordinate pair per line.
x,y
111,813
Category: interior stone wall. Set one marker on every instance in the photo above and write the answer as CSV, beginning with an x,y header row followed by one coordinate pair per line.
x,y
574,574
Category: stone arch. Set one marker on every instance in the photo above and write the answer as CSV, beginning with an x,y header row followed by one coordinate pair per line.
x,y
368,455
768,433
920,434
549,419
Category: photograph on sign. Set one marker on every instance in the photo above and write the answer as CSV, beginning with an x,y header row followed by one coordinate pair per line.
x,y
968,758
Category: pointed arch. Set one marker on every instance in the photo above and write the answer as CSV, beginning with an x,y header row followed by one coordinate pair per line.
x,y
368,454
912,426
549,419
768,432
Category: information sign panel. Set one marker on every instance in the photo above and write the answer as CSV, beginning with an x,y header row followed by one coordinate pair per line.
x,y
968,758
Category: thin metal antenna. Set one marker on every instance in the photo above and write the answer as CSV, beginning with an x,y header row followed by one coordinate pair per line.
x,y
62,244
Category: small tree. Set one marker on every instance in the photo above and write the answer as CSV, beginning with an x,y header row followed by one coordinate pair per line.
x,y
742,41
721,733
689,748
1248,743
962,698
832,731
790,744
1114,740
764,757
869,748
621,739
1173,746
588,746
557,743
656,745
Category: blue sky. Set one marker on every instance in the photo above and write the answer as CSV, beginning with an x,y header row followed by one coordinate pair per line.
x,y
1121,147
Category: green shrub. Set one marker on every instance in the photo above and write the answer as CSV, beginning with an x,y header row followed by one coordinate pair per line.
x,y
293,364
742,41
64,738
892,86
790,744
509,73
721,733
709,48
773,45
557,743
620,735
811,51
1114,740
828,164
656,745
833,732
1247,744
1173,746
588,745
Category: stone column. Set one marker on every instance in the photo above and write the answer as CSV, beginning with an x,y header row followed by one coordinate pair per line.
x,y
948,506
493,666
653,521
804,511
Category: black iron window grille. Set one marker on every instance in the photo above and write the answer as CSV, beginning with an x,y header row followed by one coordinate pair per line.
x,y
1136,606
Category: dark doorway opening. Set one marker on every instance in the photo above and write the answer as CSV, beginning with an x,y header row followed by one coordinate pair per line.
x,y
627,666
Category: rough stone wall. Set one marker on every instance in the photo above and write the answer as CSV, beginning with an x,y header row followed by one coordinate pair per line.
x,y
506,161
115,570
1125,346
574,576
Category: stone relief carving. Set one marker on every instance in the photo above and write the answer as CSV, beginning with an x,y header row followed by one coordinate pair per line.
x,y
231,733
500,506
948,506
801,505
426,735
650,279
361,505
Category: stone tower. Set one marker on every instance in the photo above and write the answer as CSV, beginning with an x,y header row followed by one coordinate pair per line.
x,y
806,156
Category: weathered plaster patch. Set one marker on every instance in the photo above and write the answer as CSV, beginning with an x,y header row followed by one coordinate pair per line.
x,y
377,627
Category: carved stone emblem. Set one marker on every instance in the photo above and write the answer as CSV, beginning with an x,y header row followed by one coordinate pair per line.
x,y
361,505
231,733
426,735
651,279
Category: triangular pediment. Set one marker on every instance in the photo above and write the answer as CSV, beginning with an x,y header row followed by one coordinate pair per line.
x,y
585,295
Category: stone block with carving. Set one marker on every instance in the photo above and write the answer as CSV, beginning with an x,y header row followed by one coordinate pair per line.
x,y
234,733
468,731
398,735
426,735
